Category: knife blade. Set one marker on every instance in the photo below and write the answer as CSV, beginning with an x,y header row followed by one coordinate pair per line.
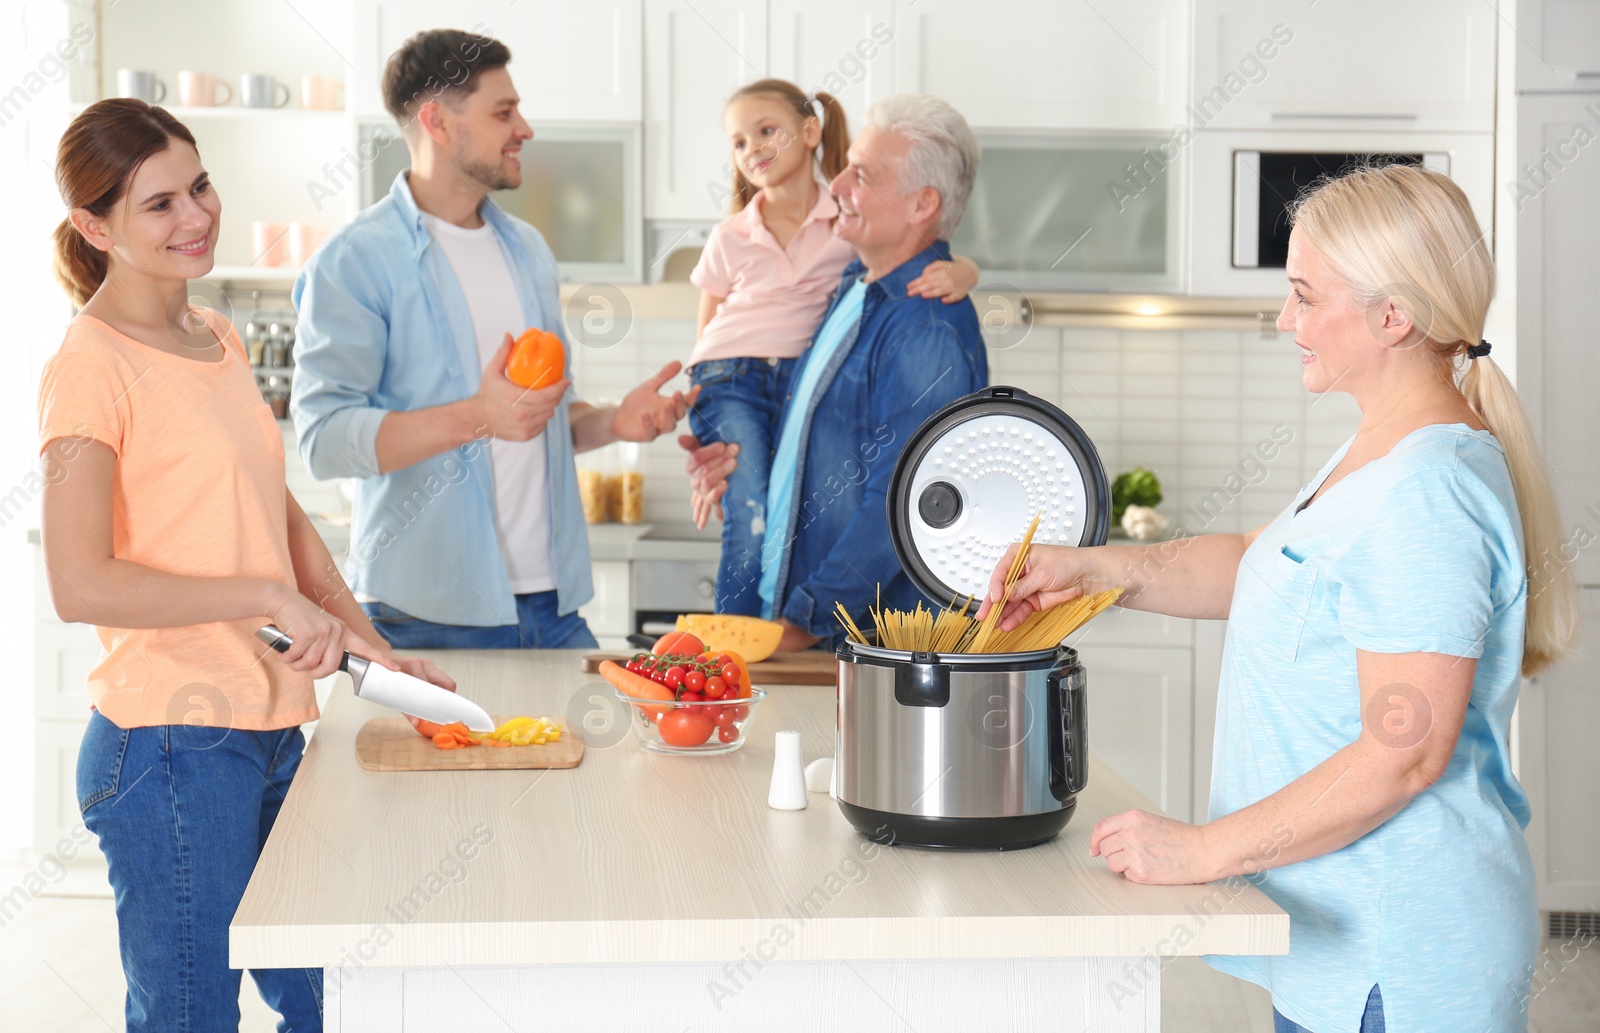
x,y
395,689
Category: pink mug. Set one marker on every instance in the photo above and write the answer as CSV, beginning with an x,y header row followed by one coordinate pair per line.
x,y
321,93
304,239
199,90
269,243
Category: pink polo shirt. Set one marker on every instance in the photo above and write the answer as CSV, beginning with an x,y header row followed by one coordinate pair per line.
x,y
775,296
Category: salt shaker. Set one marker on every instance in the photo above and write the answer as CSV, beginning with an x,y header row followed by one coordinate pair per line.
x,y
788,792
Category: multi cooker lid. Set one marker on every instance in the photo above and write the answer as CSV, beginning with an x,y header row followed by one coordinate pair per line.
x,y
971,478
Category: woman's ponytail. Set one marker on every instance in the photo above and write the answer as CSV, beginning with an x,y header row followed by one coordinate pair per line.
x,y
97,157
1552,605
80,266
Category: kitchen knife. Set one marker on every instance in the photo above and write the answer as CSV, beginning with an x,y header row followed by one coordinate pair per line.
x,y
377,684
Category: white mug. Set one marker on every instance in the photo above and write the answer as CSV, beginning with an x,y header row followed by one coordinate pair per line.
x,y
199,90
321,93
131,82
260,91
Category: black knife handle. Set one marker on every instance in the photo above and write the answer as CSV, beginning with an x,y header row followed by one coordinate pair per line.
x,y
281,642
275,638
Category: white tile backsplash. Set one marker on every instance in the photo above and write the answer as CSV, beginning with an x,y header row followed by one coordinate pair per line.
x,y
1195,405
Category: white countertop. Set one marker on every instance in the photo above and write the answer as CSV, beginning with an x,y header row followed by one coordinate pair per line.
x,y
636,857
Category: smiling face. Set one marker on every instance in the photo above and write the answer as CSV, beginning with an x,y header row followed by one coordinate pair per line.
x,y
486,132
874,214
1342,343
165,225
770,143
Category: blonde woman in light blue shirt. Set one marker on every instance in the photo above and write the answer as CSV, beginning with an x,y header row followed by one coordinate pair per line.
x,y
1377,633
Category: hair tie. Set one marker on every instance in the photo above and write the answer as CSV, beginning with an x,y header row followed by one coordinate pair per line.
x,y
1479,350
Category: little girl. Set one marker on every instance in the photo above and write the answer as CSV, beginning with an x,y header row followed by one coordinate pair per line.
x,y
765,278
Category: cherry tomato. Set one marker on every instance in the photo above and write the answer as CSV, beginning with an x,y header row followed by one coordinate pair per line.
x,y
675,677
715,688
694,680
685,727
723,717
693,697
730,674
728,733
740,712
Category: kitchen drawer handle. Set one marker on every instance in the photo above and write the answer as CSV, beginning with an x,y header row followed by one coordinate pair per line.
x,y
1586,75
1331,115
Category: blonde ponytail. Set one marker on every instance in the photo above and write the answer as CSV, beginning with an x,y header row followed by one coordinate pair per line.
x,y
1552,604
1399,231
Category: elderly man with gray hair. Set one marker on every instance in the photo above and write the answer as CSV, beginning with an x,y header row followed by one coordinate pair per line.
x,y
880,364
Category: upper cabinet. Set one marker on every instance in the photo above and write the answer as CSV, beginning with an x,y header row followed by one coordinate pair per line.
x,y
1354,64
571,62
840,47
1558,46
1042,64
695,56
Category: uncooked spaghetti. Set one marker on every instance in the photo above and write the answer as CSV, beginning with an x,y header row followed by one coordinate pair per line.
x,y
950,630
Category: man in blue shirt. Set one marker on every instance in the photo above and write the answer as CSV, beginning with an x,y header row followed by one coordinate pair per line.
x,y
467,528
880,365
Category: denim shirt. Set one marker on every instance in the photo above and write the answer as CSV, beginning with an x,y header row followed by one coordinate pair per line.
x,y
384,327
908,357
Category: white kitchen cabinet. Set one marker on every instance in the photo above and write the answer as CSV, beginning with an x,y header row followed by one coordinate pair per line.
x,y
570,62
1558,45
610,612
695,56
1559,712
1372,64
837,46
1042,64
1558,264
1141,713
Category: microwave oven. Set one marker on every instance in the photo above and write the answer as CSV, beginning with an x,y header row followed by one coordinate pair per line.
x,y
1243,183
581,188
1266,183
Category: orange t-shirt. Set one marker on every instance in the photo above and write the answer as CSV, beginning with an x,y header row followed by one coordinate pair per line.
x,y
198,490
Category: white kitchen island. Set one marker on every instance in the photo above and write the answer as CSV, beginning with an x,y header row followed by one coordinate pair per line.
x,y
648,892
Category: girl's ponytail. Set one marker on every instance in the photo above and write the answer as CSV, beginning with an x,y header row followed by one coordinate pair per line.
x,y
835,136
835,131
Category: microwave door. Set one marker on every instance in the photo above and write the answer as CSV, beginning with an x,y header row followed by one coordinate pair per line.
x,y
1246,209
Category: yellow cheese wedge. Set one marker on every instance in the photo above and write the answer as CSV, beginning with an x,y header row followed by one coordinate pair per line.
x,y
751,637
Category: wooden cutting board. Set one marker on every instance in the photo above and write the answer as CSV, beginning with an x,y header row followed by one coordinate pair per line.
x,y
813,667
391,744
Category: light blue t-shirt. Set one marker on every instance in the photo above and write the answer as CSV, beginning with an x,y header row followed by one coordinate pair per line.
x,y
780,488
1419,551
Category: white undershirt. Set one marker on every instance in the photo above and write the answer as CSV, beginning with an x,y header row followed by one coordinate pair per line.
x,y
521,486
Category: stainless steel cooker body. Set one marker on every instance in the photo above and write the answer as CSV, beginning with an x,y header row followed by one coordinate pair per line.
x,y
960,750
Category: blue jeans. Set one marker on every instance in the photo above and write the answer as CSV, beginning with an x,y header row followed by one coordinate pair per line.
x,y
1371,1019
741,402
538,627
181,813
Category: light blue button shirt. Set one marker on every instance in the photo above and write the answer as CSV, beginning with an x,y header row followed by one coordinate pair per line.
x,y
1419,551
780,487
384,327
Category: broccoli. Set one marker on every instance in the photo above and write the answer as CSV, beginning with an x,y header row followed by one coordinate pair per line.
x,y
1137,487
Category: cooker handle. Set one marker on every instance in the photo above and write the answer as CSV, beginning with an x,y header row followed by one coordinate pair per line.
x,y
922,681
1069,753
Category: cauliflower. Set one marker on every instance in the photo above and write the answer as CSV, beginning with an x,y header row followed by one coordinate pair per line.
x,y
1142,522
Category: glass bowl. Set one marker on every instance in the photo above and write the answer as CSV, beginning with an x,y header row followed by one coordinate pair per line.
x,y
692,727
